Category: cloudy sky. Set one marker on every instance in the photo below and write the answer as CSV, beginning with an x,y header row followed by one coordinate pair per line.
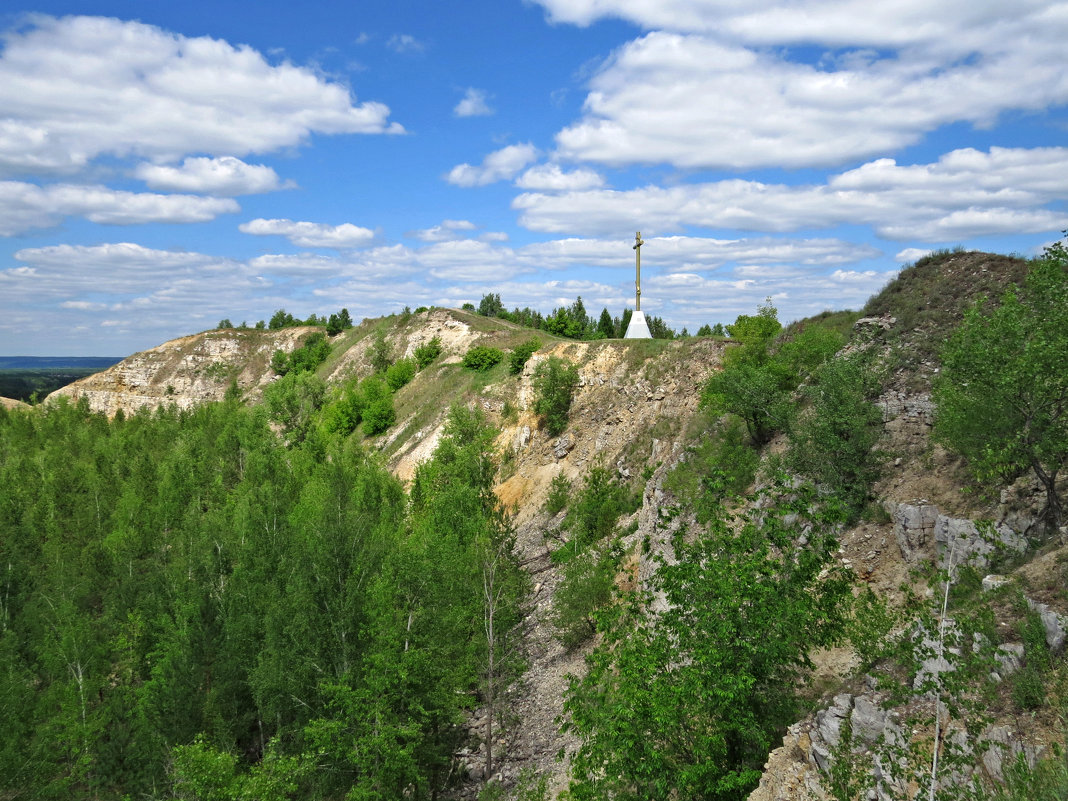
x,y
163,166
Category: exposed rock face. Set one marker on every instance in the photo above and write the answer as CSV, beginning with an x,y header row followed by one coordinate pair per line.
x,y
186,371
801,769
924,533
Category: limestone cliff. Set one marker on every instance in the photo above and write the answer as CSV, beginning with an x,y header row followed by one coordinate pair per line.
x,y
186,371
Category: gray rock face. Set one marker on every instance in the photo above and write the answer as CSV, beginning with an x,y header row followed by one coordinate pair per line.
x,y
1054,625
884,323
914,529
1010,658
562,447
917,408
868,720
969,545
829,721
923,532
1003,746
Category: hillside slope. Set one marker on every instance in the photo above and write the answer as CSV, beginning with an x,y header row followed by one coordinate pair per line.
x,y
636,413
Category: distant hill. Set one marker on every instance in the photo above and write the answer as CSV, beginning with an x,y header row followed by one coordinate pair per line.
x,y
54,362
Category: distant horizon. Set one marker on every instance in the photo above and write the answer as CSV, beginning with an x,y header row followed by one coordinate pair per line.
x,y
166,166
17,362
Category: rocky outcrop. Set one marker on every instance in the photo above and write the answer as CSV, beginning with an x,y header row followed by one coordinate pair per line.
x,y
186,372
924,534
886,755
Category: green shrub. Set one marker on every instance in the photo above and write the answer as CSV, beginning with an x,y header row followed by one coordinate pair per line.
x,y
311,353
1029,687
521,354
559,492
833,442
427,352
585,588
481,358
369,402
723,463
378,412
597,507
345,411
554,386
400,373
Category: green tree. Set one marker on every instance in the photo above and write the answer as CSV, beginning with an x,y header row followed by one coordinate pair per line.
x,y
569,321
704,331
294,401
659,329
605,326
833,442
380,353
521,354
282,319
1002,394
310,354
400,373
754,333
554,384
585,588
378,413
753,393
596,508
757,380
723,463
687,703
490,305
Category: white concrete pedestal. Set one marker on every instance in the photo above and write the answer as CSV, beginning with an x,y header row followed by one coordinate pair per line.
x,y
638,328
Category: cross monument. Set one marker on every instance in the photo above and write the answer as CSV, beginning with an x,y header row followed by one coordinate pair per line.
x,y
638,328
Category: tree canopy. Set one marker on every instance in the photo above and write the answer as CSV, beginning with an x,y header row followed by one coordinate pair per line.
x,y
1002,395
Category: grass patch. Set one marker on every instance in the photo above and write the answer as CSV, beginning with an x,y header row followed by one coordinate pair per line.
x,y
931,296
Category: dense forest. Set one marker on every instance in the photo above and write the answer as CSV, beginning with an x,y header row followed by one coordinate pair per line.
x,y
183,597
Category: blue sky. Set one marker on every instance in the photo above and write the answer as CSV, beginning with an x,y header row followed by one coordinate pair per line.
x,y
163,166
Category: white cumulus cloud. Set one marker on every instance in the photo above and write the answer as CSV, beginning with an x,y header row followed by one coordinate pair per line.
x,y
447,230
552,178
500,165
966,193
473,104
311,234
225,175
694,101
75,88
404,43
26,206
